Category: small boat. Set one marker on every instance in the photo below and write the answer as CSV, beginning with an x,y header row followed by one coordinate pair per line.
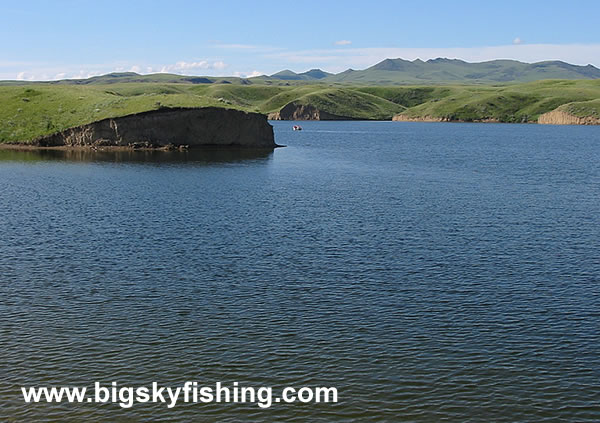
x,y
297,128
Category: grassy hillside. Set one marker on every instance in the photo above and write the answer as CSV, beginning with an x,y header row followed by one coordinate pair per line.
x,y
408,96
167,78
31,110
311,75
351,103
132,77
512,103
389,72
583,108
452,71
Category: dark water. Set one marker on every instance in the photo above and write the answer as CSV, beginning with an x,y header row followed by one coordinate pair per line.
x,y
430,272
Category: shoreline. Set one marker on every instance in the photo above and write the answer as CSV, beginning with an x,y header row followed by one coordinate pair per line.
x,y
142,147
442,120
28,147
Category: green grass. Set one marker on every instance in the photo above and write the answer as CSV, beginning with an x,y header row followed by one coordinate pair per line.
x,y
408,96
286,96
583,108
27,112
511,103
448,71
351,103
30,110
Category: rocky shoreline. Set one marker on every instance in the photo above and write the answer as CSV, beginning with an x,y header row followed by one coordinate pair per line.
x,y
305,112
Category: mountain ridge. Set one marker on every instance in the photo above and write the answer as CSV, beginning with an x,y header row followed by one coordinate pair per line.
x,y
387,72
443,70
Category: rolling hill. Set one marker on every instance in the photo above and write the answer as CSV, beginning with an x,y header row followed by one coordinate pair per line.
x,y
444,71
389,72
31,110
132,77
311,75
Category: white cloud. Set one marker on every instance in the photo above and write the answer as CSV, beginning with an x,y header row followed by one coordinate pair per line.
x,y
517,41
192,66
248,74
48,72
56,73
26,76
83,74
343,43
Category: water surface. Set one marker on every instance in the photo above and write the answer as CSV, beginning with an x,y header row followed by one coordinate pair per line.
x,y
431,272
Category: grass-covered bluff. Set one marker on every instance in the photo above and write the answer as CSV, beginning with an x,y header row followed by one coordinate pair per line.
x,y
32,110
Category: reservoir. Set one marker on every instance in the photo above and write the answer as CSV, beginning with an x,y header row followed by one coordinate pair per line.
x,y
428,271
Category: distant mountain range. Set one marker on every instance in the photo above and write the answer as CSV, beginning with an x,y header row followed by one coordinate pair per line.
x,y
311,75
388,72
434,71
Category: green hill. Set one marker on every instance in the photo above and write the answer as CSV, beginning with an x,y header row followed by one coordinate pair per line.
x,y
33,110
389,72
30,110
132,77
447,71
511,103
311,75
350,103
583,109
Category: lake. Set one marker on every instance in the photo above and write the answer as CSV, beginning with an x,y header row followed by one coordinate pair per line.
x,y
430,272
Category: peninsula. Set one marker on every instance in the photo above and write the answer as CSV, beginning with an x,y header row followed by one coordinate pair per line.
x,y
171,128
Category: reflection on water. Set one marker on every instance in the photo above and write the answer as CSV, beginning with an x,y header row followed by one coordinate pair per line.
x,y
197,155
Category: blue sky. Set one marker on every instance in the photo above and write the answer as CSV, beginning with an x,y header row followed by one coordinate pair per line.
x,y
57,39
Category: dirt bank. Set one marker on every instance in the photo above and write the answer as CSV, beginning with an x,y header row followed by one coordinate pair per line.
x,y
169,128
559,117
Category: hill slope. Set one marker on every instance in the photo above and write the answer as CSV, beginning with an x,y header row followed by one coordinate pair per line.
x,y
389,72
311,75
512,103
435,71
32,110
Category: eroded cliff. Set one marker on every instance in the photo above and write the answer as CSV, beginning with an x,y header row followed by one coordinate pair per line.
x,y
560,117
297,111
402,118
171,127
